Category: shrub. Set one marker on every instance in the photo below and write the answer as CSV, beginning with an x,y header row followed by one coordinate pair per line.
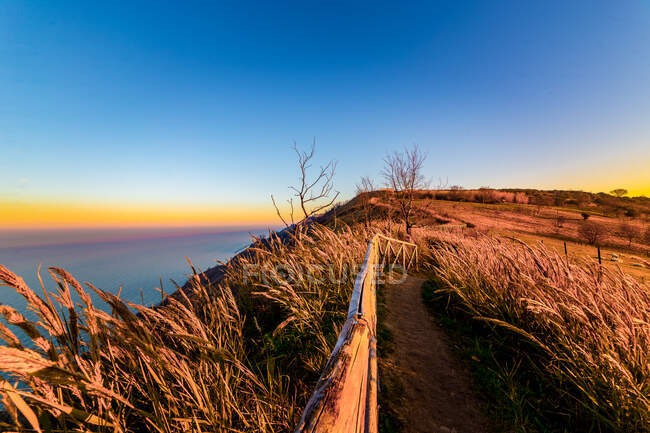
x,y
629,231
486,195
592,232
456,193
559,197
520,198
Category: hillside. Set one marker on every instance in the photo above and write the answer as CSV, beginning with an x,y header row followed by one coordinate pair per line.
x,y
530,215
539,338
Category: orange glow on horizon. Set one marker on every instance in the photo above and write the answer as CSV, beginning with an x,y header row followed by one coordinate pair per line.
x,y
636,186
632,175
19,214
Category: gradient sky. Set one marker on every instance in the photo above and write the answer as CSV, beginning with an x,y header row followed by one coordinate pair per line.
x,y
181,113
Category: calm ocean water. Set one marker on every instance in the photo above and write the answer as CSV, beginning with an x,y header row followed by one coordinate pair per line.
x,y
135,259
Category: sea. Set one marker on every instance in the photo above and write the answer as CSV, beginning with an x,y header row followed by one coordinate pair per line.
x,y
131,262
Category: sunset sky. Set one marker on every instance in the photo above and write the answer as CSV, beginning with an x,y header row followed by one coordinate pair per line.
x,y
180,113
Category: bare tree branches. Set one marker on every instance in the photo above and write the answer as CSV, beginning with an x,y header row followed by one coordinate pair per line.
x,y
313,194
277,210
403,173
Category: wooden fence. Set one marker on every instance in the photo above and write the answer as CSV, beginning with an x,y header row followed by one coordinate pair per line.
x,y
345,399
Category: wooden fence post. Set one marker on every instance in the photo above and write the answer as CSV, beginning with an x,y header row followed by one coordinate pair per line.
x,y
600,260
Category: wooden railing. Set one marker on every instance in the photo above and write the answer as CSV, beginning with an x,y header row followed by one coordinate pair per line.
x,y
345,399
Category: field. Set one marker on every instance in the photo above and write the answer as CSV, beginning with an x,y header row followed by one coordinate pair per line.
x,y
539,224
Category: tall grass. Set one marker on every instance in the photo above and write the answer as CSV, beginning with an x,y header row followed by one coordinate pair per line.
x,y
242,355
585,330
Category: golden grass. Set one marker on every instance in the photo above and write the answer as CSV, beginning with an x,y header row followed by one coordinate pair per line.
x,y
587,328
240,356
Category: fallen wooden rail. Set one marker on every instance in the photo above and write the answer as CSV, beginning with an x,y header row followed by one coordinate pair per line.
x,y
345,399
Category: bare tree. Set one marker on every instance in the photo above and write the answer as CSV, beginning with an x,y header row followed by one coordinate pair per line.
x,y
403,173
619,192
592,232
646,236
313,194
629,231
364,188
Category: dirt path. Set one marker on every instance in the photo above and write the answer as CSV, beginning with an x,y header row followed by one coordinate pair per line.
x,y
437,394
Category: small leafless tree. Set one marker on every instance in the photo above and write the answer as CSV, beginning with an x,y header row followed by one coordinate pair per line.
x,y
646,236
560,220
364,188
592,232
403,173
313,194
629,231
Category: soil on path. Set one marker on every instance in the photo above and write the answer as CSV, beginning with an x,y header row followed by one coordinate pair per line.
x,y
437,393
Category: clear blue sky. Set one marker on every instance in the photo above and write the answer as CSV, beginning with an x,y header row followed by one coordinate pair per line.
x,y
156,102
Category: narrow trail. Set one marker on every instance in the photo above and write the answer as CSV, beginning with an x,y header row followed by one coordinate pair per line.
x,y
437,393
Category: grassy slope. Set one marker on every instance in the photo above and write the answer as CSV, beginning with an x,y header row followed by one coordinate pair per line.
x,y
215,363
509,369
534,224
559,348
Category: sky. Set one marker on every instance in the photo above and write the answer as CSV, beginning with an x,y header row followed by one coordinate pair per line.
x,y
184,113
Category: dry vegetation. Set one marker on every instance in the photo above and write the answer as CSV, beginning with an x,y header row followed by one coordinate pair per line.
x,y
574,333
241,356
617,236
581,329
244,354
482,195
